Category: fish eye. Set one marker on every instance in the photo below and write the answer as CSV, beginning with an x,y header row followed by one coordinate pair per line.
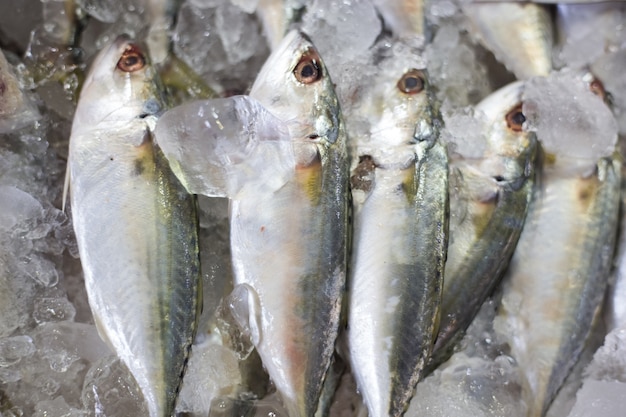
x,y
132,59
308,69
412,82
515,118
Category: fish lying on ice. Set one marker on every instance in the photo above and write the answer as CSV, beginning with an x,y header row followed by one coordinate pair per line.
x,y
135,224
399,179
489,198
557,277
280,156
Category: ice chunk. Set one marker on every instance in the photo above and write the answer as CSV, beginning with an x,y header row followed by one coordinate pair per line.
x,y
464,133
221,43
53,309
63,343
56,408
587,31
600,398
456,68
232,26
110,390
16,108
341,29
13,349
17,206
213,371
570,121
609,362
239,317
219,147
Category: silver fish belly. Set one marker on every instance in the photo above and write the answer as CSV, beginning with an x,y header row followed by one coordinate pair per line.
x,y
136,228
399,181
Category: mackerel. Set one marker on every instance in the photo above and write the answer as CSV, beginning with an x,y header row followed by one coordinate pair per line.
x,y
136,226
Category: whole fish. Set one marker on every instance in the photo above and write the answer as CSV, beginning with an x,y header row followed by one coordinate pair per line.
x,y
399,179
135,224
520,35
280,156
556,280
489,199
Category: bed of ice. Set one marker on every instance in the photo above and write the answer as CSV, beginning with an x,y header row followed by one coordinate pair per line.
x,y
52,361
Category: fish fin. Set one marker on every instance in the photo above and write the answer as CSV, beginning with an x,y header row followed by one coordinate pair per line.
x,y
66,185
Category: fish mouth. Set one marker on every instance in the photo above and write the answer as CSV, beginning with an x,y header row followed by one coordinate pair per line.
x,y
393,158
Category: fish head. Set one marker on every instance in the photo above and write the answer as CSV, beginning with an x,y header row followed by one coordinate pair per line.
x,y
121,85
399,105
294,85
507,138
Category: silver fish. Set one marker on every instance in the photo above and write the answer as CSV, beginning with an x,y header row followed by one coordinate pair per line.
x,y
557,277
280,156
519,35
399,178
489,199
135,224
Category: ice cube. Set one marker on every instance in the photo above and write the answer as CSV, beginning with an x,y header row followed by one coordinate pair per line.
x,y
13,349
222,147
600,398
213,371
570,121
56,408
587,31
110,390
341,30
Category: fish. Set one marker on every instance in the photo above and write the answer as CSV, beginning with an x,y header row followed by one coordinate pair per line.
x,y
280,156
557,277
489,200
399,186
136,226
520,35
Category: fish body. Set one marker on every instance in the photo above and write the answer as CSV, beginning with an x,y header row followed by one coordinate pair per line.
x,y
520,35
557,277
288,208
399,178
135,225
489,199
